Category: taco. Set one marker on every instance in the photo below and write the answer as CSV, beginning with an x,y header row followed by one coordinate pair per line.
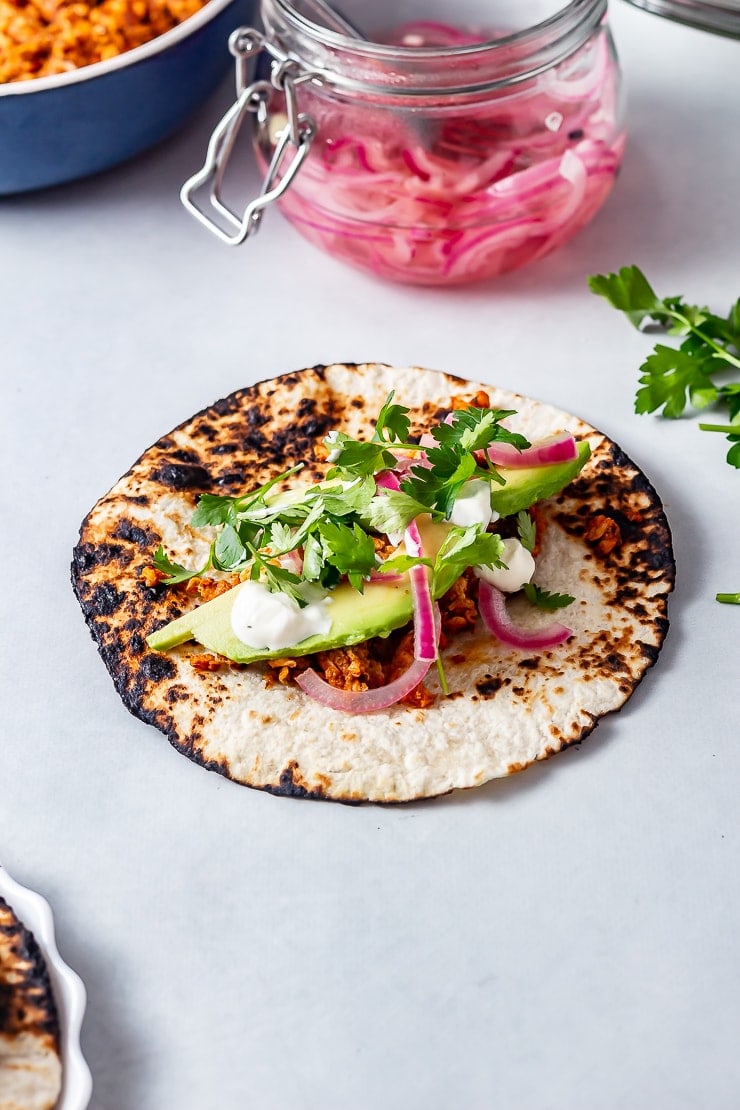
x,y
219,520
30,1062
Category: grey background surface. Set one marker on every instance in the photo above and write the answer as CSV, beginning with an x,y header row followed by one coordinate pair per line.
x,y
569,938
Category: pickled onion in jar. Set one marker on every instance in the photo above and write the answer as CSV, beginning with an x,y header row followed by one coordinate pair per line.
x,y
467,189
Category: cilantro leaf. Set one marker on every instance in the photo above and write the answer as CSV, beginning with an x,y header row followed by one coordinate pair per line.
x,y
355,457
393,423
668,376
672,377
341,499
174,571
543,599
436,486
629,291
453,461
213,510
275,577
350,549
228,549
391,511
730,394
474,429
463,548
313,558
527,530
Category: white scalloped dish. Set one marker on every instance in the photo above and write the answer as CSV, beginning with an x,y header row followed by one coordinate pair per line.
x,y
69,991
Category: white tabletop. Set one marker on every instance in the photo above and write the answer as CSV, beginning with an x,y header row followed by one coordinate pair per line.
x,y
568,938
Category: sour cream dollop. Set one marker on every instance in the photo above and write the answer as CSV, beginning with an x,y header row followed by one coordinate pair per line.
x,y
271,621
473,505
519,568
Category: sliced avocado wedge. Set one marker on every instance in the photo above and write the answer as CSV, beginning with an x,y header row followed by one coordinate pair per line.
x,y
527,484
354,617
383,606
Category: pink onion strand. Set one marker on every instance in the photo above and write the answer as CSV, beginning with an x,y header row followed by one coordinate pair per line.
x,y
492,607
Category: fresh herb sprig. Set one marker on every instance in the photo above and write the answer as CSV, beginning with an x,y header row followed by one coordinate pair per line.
x,y
462,548
672,377
546,600
459,456
526,530
694,372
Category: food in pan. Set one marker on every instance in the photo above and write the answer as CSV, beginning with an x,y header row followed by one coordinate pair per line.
x,y
375,517
39,38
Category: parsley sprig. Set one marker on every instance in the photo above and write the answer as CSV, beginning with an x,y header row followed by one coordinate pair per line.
x,y
459,456
462,548
672,377
695,371
546,600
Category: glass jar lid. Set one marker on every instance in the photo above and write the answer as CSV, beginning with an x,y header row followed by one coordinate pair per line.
x,y
722,19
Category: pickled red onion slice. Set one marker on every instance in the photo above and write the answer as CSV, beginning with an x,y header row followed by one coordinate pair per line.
x,y
492,608
471,193
426,637
363,701
554,449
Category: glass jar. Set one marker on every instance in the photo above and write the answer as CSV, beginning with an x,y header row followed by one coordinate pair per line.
x,y
427,152
721,18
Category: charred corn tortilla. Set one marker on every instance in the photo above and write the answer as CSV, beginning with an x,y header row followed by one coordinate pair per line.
x,y
607,543
30,1064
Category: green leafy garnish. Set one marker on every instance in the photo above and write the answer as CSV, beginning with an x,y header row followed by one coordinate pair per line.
x,y
174,571
391,511
543,599
463,548
527,530
349,549
354,457
214,510
672,377
732,431
453,463
275,577
393,424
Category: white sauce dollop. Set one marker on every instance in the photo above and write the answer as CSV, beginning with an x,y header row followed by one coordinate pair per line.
x,y
518,570
266,620
473,505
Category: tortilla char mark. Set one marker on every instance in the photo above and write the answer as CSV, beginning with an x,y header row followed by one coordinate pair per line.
x,y
613,506
26,999
248,437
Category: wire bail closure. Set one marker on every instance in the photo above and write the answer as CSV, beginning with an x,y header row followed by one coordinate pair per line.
x,y
291,148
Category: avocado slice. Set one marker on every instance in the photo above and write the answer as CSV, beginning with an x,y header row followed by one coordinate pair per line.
x,y
527,484
383,606
354,617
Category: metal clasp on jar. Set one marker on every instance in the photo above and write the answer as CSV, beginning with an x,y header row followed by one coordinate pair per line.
x,y
292,141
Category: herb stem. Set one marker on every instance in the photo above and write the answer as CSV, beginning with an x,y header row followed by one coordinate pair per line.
x,y
718,349
729,599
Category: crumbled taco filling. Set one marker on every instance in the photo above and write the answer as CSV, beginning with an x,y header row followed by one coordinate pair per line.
x,y
40,38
